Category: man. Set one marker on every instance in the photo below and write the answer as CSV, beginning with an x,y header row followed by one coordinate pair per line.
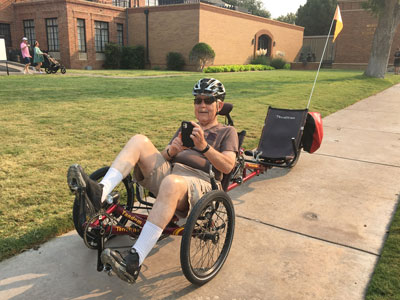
x,y
26,56
178,176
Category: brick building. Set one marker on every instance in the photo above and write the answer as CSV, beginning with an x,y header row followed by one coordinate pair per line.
x,y
71,30
354,43
234,36
76,31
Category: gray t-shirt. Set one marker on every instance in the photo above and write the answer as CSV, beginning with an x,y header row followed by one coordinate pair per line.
x,y
220,137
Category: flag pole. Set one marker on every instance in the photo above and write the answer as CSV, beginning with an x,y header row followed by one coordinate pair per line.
x,y
320,63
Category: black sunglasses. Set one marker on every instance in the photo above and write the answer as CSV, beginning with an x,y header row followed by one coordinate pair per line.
x,y
208,100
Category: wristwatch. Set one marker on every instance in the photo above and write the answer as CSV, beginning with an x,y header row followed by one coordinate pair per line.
x,y
205,149
169,155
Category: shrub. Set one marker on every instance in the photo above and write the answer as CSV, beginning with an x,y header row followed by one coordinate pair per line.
x,y
261,60
214,69
202,54
287,67
14,55
132,57
237,68
113,56
175,61
278,63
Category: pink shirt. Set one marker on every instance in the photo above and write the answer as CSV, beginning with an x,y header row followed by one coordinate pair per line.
x,y
25,51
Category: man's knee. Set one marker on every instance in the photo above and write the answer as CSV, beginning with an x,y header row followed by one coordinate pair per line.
x,y
173,186
139,139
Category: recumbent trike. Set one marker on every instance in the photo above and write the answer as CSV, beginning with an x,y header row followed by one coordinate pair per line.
x,y
208,232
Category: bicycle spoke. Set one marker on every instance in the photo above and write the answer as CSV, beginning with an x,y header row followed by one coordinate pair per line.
x,y
211,224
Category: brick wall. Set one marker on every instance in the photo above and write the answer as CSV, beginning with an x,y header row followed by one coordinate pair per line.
x,y
67,12
172,28
90,13
231,34
6,11
234,35
7,17
354,43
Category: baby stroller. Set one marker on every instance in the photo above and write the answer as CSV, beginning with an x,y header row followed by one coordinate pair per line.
x,y
51,65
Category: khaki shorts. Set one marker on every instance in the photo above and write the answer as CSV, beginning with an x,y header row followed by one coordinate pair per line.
x,y
198,182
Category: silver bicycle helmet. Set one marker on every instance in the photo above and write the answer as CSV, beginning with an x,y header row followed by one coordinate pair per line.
x,y
210,86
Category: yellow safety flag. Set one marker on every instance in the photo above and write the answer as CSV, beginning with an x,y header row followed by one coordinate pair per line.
x,y
339,23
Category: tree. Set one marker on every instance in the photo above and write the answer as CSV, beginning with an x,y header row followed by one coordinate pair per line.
x,y
202,54
255,7
316,16
388,13
289,18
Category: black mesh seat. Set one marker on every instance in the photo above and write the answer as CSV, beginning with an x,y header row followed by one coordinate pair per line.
x,y
226,109
281,137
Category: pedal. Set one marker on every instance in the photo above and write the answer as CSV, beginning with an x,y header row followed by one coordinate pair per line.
x,y
74,178
113,197
73,187
108,270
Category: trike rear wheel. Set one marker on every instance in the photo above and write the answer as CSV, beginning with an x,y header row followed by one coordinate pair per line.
x,y
207,237
83,211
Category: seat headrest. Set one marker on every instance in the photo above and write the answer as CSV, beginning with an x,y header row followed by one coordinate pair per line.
x,y
226,109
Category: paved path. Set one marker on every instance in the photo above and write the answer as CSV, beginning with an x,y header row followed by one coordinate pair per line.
x,y
314,232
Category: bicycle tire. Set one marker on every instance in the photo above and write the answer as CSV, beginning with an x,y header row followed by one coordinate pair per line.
x,y
126,199
63,70
208,224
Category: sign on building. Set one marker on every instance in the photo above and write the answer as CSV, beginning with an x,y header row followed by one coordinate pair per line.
x,y
3,53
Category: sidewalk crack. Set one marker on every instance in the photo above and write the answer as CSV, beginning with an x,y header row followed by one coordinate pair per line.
x,y
358,160
307,235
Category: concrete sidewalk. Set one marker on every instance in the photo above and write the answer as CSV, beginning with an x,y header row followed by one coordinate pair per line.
x,y
314,232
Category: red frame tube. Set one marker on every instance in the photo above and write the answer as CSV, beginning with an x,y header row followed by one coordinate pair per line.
x,y
173,229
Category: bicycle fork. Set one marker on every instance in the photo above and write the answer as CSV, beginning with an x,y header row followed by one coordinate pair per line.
x,y
100,248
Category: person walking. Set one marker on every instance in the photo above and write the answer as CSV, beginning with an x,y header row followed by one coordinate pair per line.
x,y
38,57
26,56
397,61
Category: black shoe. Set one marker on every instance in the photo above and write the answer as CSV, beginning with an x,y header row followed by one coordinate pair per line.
x,y
127,268
78,179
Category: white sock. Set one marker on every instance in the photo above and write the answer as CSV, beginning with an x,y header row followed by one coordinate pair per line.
x,y
147,239
112,178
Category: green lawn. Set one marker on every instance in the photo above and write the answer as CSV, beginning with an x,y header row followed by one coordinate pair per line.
x,y
49,122
128,73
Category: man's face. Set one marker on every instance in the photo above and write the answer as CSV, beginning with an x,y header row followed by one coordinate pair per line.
x,y
206,108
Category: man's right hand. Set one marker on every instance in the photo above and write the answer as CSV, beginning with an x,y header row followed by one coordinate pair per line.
x,y
176,146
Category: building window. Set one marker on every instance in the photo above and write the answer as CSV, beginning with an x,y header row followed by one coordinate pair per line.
x,y
6,32
29,31
121,3
52,35
81,35
120,34
152,2
101,35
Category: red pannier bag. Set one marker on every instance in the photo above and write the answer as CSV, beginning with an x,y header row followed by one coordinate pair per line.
x,y
313,132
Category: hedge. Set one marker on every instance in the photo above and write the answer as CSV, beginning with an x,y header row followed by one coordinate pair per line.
x,y
125,57
132,57
175,61
237,68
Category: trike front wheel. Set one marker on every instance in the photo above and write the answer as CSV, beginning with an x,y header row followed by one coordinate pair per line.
x,y
207,237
